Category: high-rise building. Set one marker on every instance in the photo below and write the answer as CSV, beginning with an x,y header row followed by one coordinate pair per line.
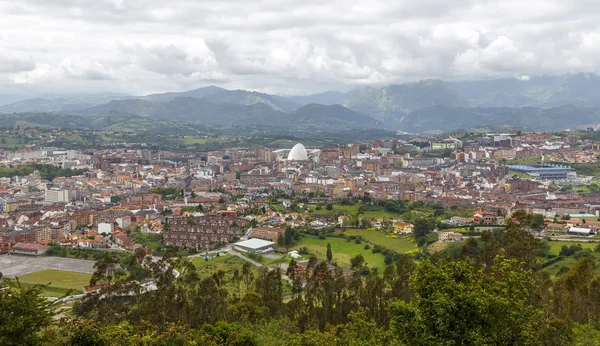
x,y
57,196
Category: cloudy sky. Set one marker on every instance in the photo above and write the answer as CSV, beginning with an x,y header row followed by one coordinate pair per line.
x,y
287,46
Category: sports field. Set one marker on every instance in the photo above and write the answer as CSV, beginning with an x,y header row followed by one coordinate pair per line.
x,y
59,281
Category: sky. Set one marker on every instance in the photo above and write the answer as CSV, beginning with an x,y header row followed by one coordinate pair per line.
x,y
287,47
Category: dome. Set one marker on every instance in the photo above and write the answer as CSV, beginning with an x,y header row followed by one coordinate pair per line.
x,y
298,153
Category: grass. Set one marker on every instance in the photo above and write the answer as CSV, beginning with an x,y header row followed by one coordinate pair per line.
x,y
353,209
342,250
60,281
228,264
560,268
389,241
556,245
201,262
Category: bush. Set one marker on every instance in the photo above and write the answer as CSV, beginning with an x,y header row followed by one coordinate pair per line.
x,y
367,246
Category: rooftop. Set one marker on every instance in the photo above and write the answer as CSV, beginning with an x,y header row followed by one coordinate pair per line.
x,y
254,243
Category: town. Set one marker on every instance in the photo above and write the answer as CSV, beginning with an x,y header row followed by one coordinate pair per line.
x,y
117,199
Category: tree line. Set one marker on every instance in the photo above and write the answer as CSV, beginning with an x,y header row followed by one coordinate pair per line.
x,y
493,291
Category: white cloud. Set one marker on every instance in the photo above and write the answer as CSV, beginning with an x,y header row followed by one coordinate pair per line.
x,y
289,46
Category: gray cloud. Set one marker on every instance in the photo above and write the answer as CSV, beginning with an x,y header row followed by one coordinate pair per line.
x,y
289,46
9,63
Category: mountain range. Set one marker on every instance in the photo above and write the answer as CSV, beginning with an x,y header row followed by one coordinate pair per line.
x,y
537,103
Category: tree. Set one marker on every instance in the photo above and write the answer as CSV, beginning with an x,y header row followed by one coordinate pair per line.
x,y
288,236
357,262
422,227
329,206
329,253
23,314
537,221
457,304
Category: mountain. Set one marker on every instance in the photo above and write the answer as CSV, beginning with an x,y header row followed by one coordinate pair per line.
x,y
168,96
326,98
243,97
445,119
403,98
132,106
546,91
65,104
328,118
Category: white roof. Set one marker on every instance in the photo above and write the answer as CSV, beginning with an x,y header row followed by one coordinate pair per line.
x,y
298,153
579,230
254,243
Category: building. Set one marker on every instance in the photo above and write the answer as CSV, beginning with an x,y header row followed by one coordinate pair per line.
x,y
255,246
544,172
105,227
31,249
297,153
57,196
580,231
449,236
267,233
203,232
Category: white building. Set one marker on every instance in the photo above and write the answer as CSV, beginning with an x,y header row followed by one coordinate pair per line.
x,y
105,227
57,196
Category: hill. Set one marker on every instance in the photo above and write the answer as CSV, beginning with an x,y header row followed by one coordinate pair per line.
x,y
196,93
548,91
243,97
444,119
67,104
327,98
403,98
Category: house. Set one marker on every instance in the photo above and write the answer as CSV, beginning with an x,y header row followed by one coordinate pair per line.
x,y
31,249
553,228
449,236
489,218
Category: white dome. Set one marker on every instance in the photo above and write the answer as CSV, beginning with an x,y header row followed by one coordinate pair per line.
x,y
298,153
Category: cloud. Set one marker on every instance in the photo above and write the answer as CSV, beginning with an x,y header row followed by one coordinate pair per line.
x,y
9,63
169,60
290,46
85,68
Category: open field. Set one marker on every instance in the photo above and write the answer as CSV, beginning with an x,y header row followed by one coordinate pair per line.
x,y
201,262
353,209
342,250
60,281
377,237
560,268
556,245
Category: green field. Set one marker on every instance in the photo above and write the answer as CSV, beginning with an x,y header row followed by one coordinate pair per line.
x,y
342,250
560,268
353,209
60,281
556,245
201,262
389,241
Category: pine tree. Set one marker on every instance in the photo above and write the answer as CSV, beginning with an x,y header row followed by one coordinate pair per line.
x,y
329,253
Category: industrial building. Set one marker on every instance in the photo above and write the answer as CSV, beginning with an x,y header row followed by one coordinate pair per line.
x,y
544,172
255,246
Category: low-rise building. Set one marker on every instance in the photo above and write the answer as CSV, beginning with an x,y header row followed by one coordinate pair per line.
x,y
267,233
31,249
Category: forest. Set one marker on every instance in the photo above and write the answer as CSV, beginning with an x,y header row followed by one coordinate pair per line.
x,y
492,291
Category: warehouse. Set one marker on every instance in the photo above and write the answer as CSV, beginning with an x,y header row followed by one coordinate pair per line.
x,y
254,246
580,231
